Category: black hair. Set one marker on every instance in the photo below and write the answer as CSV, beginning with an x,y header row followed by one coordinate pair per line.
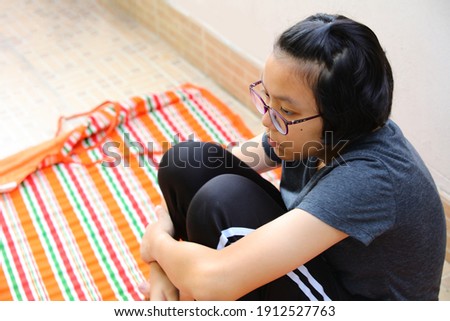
x,y
353,83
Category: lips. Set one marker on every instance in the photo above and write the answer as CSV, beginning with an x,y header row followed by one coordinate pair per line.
x,y
271,142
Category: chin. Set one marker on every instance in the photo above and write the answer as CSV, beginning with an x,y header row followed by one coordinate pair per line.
x,y
287,156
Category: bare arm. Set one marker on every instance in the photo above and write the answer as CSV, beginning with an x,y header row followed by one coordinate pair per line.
x,y
159,287
258,258
252,153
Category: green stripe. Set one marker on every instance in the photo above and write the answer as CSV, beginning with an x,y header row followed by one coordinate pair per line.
x,y
64,229
141,157
111,182
88,142
108,220
66,149
96,156
15,286
153,171
27,256
148,169
119,194
205,122
182,124
61,274
161,123
92,234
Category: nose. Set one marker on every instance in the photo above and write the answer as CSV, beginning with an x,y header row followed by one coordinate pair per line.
x,y
266,121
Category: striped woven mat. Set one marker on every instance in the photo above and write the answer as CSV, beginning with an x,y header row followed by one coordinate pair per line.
x,y
72,231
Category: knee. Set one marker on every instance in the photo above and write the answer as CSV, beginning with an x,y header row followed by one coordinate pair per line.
x,y
213,204
171,158
186,159
177,159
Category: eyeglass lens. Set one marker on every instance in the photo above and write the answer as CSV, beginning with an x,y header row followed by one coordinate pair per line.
x,y
279,124
274,115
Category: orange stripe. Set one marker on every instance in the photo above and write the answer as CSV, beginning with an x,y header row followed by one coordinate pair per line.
x,y
100,279
188,116
112,203
139,172
36,247
5,294
157,134
134,245
145,182
234,118
117,213
114,208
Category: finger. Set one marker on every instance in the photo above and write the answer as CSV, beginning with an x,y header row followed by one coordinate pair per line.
x,y
185,297
145,257
164,205
160,211
173,296
145,251
145,289
157,296
157,211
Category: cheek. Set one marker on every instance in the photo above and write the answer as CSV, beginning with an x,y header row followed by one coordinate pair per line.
x,y
302,144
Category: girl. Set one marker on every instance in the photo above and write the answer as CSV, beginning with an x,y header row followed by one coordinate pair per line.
x,y
357,215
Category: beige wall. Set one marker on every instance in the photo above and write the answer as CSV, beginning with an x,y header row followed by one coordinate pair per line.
x,y
414,33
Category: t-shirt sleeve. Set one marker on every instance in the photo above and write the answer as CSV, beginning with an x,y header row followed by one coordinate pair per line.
x,y
356,198
269,150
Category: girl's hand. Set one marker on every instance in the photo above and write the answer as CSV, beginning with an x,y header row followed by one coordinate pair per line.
x,y
164,220
158,287
153,231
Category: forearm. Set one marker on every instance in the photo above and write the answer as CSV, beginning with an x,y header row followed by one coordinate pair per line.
x,y
208,274
249,263
256,259
161,289
189,266
252,153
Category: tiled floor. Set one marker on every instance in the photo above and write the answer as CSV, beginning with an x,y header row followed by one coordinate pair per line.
x,y
64,57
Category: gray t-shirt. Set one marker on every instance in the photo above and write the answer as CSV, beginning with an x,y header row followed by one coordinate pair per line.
x,y
381,194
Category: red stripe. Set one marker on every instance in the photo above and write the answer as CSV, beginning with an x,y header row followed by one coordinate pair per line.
x,y
144,220
167,118
103,234
208,116
11,246
149,152
59,245
97,128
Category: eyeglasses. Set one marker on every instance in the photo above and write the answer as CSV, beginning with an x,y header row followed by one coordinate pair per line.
x,y
280,123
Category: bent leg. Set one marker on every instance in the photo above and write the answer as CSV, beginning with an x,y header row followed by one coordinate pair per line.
x,y
227,208
187,166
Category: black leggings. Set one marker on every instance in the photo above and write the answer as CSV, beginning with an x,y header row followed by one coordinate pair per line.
x,y
214,199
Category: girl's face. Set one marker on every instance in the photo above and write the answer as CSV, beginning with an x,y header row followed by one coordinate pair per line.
x,y
286,91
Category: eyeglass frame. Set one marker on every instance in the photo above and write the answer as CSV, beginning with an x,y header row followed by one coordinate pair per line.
x,y
271,110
